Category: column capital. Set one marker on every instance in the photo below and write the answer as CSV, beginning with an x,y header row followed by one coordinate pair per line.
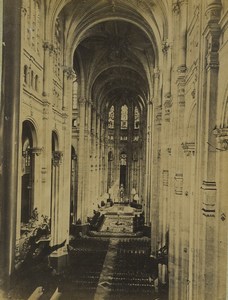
x,y
57,158
189,148
48,46
222,138
69,72
82,101
177,6
165,46
213,10
37,150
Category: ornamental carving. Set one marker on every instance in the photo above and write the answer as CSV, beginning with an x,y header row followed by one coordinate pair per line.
x,y
213,12
48,46
82,101
165,47
176,8
57,158
189,148
36,150
69,72
222,138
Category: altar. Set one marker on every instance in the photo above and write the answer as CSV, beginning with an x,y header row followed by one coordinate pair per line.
x,y
118,219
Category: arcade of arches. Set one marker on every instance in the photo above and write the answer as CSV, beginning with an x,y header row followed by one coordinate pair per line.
x,y
117,105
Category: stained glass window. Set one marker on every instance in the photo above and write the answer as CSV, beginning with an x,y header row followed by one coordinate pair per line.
x,y
111,116
136,118
124,117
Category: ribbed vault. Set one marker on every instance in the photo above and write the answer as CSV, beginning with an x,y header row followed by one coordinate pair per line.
x,y
116,57
115,46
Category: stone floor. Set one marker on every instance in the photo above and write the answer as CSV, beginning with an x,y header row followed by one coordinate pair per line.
x,y
99,268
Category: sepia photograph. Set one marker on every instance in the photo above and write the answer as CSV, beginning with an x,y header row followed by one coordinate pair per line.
x,y
114,149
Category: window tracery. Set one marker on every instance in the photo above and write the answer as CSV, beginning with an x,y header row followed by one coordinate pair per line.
x,y
111,116
124,116
136,118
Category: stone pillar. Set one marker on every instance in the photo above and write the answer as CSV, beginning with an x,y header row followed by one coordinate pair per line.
x,y
9,135
156,156
47,112
165,174
101,166
187,222
221,272
81,162
94,194
207,237
56,211
47,84
147,194
98,157
69,78
87,150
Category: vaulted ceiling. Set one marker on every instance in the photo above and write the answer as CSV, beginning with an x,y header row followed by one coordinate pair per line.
x,y
114,58
115,46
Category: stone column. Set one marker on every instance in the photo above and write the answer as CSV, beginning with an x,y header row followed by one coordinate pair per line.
x,y
101,171
9,135
48,50
93,162
221,272
87,150
56,211
81,162
156,131
46,154
147,193
98,157
165,146
207,240
187,224
69,78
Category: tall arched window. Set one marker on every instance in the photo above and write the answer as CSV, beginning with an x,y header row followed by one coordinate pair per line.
x,y
136,118
111,116
124,116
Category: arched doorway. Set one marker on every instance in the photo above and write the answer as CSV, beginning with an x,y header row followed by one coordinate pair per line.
x,y
28,167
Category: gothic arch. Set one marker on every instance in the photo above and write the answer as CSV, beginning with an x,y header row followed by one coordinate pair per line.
x,y
34,128
55,140
29,144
